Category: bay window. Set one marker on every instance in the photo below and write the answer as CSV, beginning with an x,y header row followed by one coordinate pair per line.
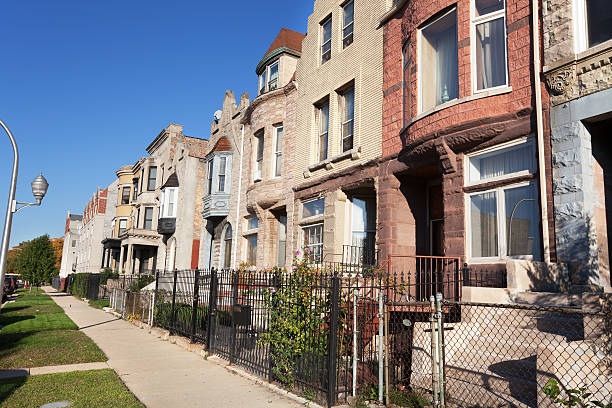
x,y
278,151
348,16
489,45
438,62
168,201
504,222
348,118
222,169
209,176
273,77
326,37
259,154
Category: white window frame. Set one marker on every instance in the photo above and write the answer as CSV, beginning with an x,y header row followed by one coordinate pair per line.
x,y
259,138
345,25
502,245
343,94
119,229
331,36
515,144
420,55
165,203
320,133
278,172
248,230
210,170
312,216
269,75
321,244
475,21
261,87
224,175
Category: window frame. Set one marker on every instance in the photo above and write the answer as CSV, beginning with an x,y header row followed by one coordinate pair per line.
x,y
258,154
145,220
165,203
323,43
310,246
474,22
278,150
320,134
316,215
221,175
345,26
124,195
406,84
210,169
119,229
581,27
344,118
420,56
269,75
151,179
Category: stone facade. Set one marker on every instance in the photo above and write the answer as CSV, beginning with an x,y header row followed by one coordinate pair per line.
x,y
71,240
579,78
354,68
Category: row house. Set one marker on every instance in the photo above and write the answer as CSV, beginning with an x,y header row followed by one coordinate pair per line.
x,y
161,230
95,227
71,239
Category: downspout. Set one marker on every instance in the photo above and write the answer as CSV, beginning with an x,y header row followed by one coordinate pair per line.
x,y
535,24
237,224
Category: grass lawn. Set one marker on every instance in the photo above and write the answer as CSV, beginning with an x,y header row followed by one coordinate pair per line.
x,y
36,332
99,388
99,304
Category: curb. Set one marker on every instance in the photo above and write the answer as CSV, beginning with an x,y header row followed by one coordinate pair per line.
x,y
199,349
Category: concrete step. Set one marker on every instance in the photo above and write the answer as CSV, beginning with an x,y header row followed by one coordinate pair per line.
x,y
550,299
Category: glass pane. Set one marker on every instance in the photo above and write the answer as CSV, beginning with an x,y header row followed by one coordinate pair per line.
x,y
349,13
221,184
252,249
323,147
349,104
279,164
327,25
324,118
222,165
171,202
282,240
484,225
522,221
490,54
152,178
599,21
253,223
279,139
347,143
503,162
313,208
488,6
447,85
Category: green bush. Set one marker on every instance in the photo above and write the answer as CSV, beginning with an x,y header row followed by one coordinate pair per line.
x,y
79,285
141,282
183,315
107,274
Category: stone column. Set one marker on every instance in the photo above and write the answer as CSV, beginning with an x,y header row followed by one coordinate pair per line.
x,y
129,269
121,255
334,225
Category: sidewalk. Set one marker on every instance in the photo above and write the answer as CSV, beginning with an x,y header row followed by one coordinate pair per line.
x,y
162,374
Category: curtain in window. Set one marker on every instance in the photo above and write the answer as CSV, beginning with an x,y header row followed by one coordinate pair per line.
x,y
491,51
447,83
484,225
323,130
506,162
522,221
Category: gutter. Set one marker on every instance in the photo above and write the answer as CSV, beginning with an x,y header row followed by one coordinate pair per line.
x,y
535,25
237,224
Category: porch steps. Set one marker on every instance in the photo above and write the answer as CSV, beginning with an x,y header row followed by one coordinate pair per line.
x,y
549,299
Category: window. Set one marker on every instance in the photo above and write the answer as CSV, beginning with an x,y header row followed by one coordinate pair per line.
x,y
134,189
313,239
210,176
262,83
222,166
152,178
323,125
348,14
273,77
227,247
489,45
504,222
142,178
407,97
282,241
326,31
252,223
168,200
148,218
348,118
74,243
278,151
363,222
122,227
259,140
125,195
252,249
313,208
598,22
438,62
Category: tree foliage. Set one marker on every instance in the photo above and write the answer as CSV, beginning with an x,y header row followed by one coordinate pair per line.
x,y
36,262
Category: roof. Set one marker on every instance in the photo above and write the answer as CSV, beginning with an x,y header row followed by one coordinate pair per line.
x,y
287,38
74,217
172,181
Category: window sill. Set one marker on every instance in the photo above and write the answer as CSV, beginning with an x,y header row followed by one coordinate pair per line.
x,y
497,183
475,96
353,154
311,220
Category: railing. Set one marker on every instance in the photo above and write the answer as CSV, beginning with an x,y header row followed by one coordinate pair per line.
x,y
364,255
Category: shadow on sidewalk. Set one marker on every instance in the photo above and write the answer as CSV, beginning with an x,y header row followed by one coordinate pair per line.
x,y
99,324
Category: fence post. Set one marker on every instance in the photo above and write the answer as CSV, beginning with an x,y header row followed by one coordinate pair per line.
x,y
173,301
196,298
212,307
440,347
235,283
276,285
154,298
333,341
434,351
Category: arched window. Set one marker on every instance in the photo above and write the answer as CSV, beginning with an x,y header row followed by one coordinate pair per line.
x,y
227,247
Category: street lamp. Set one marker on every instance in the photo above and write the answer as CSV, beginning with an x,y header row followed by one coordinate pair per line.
x,y
39,189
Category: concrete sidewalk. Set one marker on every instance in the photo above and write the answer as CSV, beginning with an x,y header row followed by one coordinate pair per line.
x,y
162,374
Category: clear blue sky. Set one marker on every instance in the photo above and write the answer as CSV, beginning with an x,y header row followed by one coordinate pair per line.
x,y
85,86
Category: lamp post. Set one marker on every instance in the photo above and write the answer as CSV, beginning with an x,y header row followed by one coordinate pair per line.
x,y
39,189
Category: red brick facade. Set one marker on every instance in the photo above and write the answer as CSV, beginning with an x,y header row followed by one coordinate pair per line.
x,y
428,149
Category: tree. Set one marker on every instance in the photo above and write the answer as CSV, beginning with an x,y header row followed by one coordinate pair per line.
x,y
36,261
58,246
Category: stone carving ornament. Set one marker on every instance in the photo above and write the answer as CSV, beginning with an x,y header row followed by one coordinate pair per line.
x,y
559,82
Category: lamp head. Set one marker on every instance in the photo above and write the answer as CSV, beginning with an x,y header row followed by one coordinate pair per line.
x,y
39,187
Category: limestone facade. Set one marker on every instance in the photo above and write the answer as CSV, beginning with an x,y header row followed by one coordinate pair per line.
x,y
71,240
578,74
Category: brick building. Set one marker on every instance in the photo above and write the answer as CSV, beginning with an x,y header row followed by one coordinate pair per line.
x,y
577,45
462,173
339,128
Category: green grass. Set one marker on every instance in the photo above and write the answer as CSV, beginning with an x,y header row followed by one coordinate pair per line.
x,y
99,388
36,332
99,304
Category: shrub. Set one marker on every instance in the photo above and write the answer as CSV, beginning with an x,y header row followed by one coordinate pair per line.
x,y
141,281
107,274
79,285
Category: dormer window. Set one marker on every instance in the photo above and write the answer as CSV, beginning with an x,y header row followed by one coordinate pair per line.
x,y
268,80
219,168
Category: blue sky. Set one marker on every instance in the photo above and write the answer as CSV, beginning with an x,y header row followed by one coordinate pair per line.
x,y
85,86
